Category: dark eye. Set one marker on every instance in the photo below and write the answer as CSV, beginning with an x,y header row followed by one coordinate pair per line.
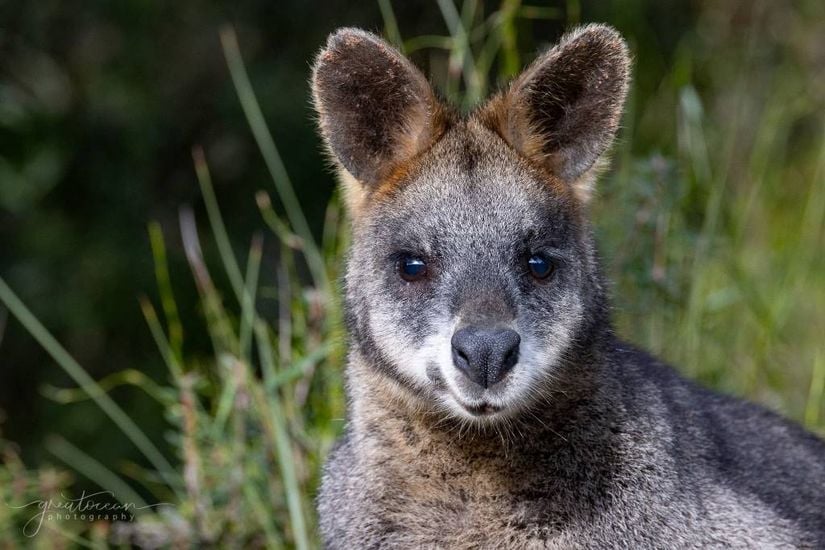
x,y
540,267
412,269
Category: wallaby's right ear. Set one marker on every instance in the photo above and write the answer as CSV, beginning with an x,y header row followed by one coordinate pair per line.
x,y
376,110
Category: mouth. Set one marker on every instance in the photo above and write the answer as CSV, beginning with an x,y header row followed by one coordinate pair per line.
x,y
481,409
478,409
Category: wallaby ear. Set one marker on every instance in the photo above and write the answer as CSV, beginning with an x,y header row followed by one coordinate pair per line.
x,y
563,111
376,110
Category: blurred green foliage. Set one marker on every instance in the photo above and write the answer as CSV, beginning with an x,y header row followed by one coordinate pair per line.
x,y
710,220
114,96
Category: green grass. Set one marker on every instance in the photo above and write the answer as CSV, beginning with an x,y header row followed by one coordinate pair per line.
x,y
251,424
711,222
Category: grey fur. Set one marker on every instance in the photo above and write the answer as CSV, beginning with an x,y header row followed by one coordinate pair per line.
x,y
586,442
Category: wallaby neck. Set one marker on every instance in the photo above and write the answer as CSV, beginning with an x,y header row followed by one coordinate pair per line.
x,y
392,426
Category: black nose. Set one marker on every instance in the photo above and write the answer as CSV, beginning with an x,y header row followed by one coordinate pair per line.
x,y
485,355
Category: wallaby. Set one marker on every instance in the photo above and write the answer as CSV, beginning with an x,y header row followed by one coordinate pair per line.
x,y
490,404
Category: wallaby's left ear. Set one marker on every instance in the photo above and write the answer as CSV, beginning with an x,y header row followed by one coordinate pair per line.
x,y
564,110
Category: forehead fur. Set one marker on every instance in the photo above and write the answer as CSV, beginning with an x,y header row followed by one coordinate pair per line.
x,y
470,172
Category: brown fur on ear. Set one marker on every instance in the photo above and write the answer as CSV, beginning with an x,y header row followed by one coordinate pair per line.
x,y
564,110
376,110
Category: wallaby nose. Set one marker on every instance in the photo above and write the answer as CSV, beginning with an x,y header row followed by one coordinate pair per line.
x,y
485,355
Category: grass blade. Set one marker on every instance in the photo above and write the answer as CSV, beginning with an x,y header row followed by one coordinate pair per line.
x,y
248,305
815,393
162,343
213,212
128,377
271,403
461,56
95,471
82,378
220,329
272,158
167,296
391,24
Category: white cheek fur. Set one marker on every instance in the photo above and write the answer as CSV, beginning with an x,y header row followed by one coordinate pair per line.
x,y
537,357
411,358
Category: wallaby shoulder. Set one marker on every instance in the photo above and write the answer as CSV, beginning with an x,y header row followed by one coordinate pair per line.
x,y
642,461
730,442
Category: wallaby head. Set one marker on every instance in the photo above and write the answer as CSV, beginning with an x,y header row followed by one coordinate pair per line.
x,y
472,281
